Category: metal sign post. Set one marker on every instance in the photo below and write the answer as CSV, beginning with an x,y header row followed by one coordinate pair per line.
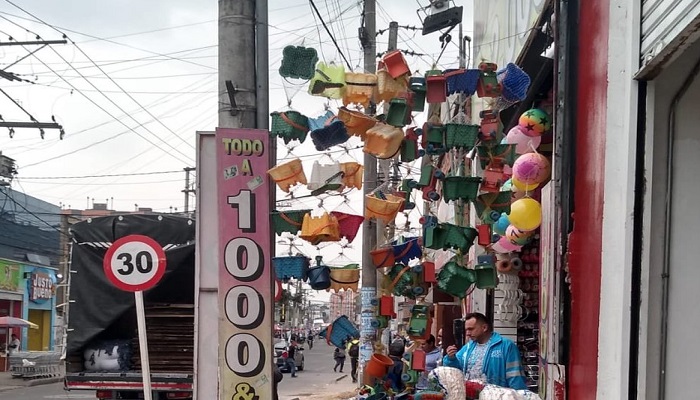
x,y
136,263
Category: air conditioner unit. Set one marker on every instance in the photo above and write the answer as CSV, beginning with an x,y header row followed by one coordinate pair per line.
x,y
448,18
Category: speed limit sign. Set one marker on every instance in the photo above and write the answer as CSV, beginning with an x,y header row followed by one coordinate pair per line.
x,y
134,263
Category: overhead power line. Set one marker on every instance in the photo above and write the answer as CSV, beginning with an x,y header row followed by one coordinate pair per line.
x,y
101,176
329,34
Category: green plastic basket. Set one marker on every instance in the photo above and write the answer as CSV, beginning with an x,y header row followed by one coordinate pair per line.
x,y
455,280
298,62
460,188
288,221
289,125
486,276
461,136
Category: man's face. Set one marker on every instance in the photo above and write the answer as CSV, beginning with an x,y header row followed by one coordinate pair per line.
x,y
428,346
474,329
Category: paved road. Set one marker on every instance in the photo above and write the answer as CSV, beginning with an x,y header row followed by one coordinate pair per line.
x,y
44,392
317,381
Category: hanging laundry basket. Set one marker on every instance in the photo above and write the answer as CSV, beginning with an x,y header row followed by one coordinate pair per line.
x,y
356,122
336,333
359,88
319,275
409,250
514,81
462,81
328,176
320,229
461,136
288,174
345,278
383,256
399,111
388,87
352,174
383,141
291,267
395,63
298,62
455,280
331,135
382,208
289,125
328,80
460,188
288,221
417,85
349,224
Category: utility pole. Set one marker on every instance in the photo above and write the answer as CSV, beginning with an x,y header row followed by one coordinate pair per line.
x,y
187,190
368,292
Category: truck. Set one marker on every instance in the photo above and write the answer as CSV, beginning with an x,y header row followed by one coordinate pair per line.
x,y
102,348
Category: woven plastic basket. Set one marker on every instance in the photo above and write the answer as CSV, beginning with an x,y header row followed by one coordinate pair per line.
x,y
461,136
289,125
291,267
288,221
356,122
388,87
462,81
359,88
298,62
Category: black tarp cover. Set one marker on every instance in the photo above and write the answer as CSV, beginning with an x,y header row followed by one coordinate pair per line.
x,y
99,305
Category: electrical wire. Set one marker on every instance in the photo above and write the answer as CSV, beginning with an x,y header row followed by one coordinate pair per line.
x,y
327,31
3,191
102,176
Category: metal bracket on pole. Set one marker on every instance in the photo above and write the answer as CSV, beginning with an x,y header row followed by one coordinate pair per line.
x,y
231,90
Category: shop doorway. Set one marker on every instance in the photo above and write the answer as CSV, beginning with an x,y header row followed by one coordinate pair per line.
x,y
39,339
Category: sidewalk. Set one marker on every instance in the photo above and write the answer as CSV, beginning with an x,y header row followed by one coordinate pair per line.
x,y
7,382
340,389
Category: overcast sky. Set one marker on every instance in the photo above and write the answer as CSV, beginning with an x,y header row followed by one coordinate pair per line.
x,y
155,86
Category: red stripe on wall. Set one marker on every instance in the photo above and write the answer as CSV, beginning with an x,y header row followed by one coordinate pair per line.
x,y
585,244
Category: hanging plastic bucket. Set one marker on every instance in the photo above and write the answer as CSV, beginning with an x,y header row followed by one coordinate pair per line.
x,y
331,135
398,112
461,136
383,209
336,333
345,278
436,87
383,141
460,188
289,125
319,276
352,174
356,122
395,63
407,251
349,224
417,86
291,267
288,174
378,365
388,87
359,88
383,257
288,221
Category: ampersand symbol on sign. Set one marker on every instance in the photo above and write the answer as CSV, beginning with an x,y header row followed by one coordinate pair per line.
x,y
245,392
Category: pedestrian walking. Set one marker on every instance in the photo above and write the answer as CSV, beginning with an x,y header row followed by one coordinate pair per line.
x,y
339,357
353,348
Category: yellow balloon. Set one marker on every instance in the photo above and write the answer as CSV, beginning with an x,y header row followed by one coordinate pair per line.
x,y
525,214
526,187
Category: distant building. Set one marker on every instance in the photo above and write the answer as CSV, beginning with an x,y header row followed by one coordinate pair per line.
x,y
343,303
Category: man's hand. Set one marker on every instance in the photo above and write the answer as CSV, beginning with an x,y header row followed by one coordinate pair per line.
x,y
451,351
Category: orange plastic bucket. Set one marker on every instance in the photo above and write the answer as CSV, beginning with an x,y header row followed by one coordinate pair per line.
x,y
378,365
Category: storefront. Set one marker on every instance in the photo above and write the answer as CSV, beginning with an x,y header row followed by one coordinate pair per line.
x,y
39,307
10,300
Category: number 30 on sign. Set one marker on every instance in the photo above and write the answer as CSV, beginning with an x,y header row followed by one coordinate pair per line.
x,y
134,263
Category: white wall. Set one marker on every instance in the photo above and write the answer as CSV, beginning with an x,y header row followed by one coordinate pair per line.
x,y
620,150
683,318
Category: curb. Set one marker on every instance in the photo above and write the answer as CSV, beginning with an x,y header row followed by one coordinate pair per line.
x,y
8,388
44,381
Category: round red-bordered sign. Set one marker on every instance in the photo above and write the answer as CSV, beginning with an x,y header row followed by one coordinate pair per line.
x,y
134,263
278,290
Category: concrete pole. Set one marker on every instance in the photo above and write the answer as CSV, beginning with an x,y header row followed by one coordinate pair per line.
x,y
368,291
237,64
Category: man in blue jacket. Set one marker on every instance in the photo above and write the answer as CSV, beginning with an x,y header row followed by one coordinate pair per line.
x,y
488,356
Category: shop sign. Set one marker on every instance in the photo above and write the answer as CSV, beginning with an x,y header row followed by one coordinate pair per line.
x,y
9,276
245,280
41,286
